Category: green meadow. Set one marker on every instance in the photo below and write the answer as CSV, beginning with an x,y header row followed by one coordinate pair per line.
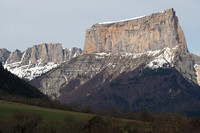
x,y
48,114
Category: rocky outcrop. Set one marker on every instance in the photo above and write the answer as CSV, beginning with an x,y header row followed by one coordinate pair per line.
x,y
197,68
184,63
37,60
152,32
49,53
15,56
4,55
44,52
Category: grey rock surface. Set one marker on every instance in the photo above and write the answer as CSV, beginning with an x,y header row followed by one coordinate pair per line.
x,y
15,57
4,55
37,60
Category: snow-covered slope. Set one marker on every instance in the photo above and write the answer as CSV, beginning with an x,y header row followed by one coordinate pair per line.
x,y
163,60
30,71
38,60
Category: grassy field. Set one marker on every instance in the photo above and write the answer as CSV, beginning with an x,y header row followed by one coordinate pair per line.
x,y
50,115
7,108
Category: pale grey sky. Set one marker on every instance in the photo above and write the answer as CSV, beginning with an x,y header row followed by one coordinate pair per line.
x,y
24,23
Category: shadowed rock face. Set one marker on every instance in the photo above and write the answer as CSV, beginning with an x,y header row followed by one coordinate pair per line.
x,y
152,32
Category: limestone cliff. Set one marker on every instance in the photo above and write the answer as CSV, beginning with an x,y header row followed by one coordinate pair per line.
x,y
152,32
15,56
4,55
36,60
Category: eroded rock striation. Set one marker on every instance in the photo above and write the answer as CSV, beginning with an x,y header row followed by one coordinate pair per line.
x,y
37,60
152,32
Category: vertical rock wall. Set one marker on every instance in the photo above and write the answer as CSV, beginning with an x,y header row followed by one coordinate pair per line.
x,y
151,32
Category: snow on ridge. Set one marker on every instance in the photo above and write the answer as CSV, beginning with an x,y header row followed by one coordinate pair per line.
x,y
197,68
124,20
23,56
121,20
167,56
125,54
163,60
30,71
103,54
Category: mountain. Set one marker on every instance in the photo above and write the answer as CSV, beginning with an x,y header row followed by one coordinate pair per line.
x,y
11,85
36,60
152,32
159,76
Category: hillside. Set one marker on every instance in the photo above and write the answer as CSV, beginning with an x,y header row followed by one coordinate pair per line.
x,y
48,114
15,117
11,85
38,119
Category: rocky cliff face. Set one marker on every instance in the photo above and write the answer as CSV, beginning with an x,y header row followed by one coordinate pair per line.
x,y
4,55
37,60
15,56
152,32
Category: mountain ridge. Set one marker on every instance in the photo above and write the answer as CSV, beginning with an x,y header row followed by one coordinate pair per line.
x,y
36,60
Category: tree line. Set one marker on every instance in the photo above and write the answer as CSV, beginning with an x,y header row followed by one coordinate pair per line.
x,y
160,123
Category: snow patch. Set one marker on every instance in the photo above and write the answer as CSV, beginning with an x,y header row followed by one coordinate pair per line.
x,y
103,54
121,20
23,56
65,78
30,71
125,54
163,60
197,68
75,55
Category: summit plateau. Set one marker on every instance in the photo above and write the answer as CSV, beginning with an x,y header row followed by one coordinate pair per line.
x,y
136,35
